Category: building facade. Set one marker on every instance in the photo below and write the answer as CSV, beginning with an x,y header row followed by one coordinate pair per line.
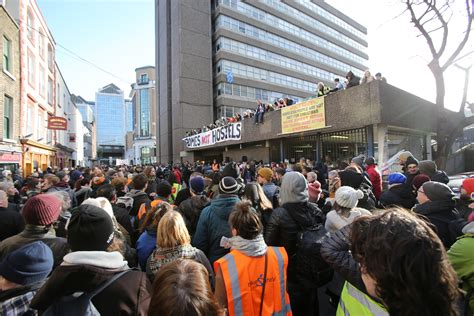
x,y
144,114
89,126
245,51
109,112
10,148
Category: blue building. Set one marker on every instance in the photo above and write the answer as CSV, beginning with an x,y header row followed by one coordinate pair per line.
x,y
109,112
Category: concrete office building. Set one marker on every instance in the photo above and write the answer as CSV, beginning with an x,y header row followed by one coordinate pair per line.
x,y
109,112
144,115
216,58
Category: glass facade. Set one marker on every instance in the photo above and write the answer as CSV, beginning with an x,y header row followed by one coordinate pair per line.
x,y
250,93
144,113
109,114
129,119
262,35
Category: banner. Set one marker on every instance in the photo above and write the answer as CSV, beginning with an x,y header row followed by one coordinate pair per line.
x,y
57,123
231,131
303,116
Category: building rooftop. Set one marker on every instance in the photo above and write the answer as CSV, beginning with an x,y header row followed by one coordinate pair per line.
x,y
110,88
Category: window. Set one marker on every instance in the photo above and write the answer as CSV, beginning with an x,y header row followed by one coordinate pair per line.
x,y
144,78
7,51
41,41
29,120
31,69
50,91
50,58
7,114
58,93
30,24
40,125
41,83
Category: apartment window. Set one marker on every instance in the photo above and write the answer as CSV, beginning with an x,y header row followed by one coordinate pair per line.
x,y
30,23
143,78
41,41
50,58
31,69
40,125
58,93
7,115
29,119
41,81
50,91
7,51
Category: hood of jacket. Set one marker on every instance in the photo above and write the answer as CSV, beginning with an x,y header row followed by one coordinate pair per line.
x,y
468,229
440,176
223,205
135,193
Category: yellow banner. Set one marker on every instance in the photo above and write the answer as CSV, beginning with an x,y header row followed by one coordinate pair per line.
x,y
304,116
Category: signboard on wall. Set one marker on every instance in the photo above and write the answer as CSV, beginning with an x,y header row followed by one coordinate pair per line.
x,y
57,123
10,158
231,131
303,116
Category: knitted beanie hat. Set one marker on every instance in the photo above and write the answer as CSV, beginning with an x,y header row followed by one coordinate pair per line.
x,y
28,264
358,160
436,191
90,229
396,178
427,167
228,185
411,161
468,186
419,180
348,197
42,209
197,185
265,173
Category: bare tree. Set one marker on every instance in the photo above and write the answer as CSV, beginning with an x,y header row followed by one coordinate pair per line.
x,y
431,18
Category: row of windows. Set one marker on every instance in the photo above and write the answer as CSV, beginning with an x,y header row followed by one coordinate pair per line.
x,y
31,34
325,14
270,57
38,121
251,31
293,29
300,16
251,93
144,113
229,111
260,74
41,79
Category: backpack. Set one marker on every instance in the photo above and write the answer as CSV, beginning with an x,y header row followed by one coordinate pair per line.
x,y
311,269
79,305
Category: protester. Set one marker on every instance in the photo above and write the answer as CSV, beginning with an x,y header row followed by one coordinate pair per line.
x,y
139,185
466,198
352,80
121,214
314,187
396,195
393,263
250,259
374,176
173,242
182,288
11,222
22,272
430,169
192,207
94,259
345,210
40,213
272,191
212,223
286,221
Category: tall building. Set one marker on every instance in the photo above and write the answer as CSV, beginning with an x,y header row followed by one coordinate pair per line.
x,y
129,115
144,106
90,135
109,112
10,148
244,51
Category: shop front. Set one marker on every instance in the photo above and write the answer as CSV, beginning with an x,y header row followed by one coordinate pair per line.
x,y
36,156
10,160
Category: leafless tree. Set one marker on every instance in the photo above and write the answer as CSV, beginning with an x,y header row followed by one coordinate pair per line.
x,y
431,18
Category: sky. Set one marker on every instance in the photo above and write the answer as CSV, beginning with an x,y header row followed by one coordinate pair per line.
x,y
118,36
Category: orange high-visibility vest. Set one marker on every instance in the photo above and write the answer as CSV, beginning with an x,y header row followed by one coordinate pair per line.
x,y
243,279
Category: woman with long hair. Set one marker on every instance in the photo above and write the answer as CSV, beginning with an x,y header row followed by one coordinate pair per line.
x,y
182,288
394,264
251,279
254,194
173,242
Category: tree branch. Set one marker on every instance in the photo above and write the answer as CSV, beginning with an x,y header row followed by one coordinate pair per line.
x,y
461,45
444,26
420,28
467,72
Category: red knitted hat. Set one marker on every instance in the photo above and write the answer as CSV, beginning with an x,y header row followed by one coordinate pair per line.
x,y
419,180
468,186
42,209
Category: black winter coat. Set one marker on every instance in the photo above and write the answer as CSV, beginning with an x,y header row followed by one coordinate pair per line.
x,y
440,213
11,223
397,196
282,230
191,209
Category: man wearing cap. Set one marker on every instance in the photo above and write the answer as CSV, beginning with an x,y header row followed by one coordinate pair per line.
x,y
396,193
22,273
374,176
92,262
191,208
272,192
213,221
429,168
466,198
40,213
437,204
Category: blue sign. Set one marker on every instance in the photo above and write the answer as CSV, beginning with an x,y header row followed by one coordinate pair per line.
x,y
230,77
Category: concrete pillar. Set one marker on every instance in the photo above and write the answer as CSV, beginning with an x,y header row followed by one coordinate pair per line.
x,y
429,153
382,155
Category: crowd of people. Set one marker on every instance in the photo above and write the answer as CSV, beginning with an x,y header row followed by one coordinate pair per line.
x,y
237,239
351,80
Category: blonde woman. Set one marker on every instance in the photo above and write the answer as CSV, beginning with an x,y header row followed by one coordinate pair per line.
x,y
172,243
